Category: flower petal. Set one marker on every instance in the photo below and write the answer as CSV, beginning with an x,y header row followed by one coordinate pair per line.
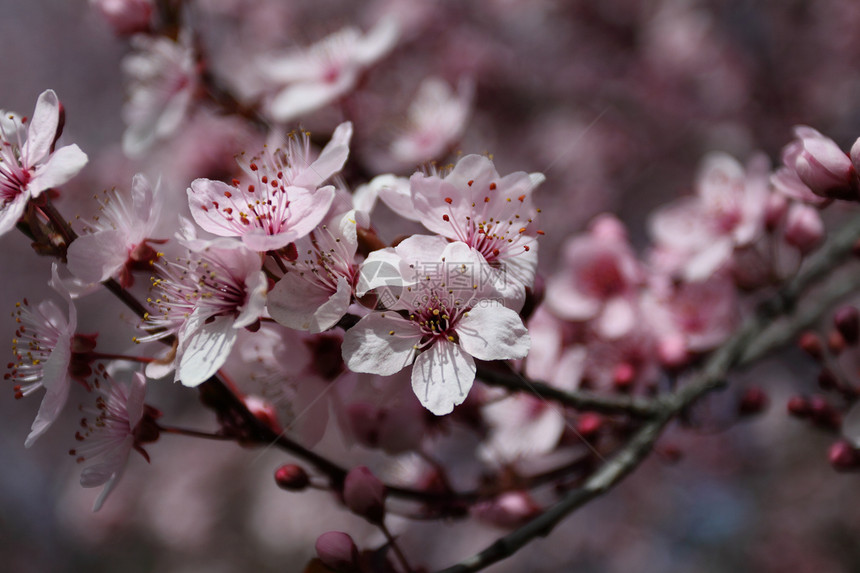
x,y
205,347
43,128
60,167
381,343
97,257
442,377
490,331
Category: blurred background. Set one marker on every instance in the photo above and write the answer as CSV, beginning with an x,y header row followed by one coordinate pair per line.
x,y
616,102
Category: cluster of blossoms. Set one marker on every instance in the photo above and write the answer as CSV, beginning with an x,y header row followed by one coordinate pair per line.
x,y
268,287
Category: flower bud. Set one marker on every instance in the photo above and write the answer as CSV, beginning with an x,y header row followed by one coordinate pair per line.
x,y
364,494
799,407
126,16
291,477
775,209
511,509
337,551
754,400
589,424
835,342
843,457
810,343
847,320
804,229
823,167
827,380
623,376
672,352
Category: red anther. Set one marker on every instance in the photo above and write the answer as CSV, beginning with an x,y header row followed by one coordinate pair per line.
x,y
492,186
446,218
449,200
470,182
521,198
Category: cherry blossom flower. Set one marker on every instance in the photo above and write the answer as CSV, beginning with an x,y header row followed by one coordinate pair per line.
x,y
697,235
437,118
281,199
43,353
299,375
316,288
700,314
490,213
316,76
204,300
28,164
116,240
448,318
162,80
598,280
117,426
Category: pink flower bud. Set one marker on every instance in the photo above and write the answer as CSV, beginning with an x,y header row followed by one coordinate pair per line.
x,y
843,456
753,401
589,424
847,320
509,510
291,477
337,551
775,209
823,167
672,352
126,16
364,494
810,343
803,228
798,406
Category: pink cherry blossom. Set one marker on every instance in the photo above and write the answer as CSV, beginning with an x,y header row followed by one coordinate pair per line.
x,y
162,77
297,374
437,118
316,288
701,314
697,235
204,300
490,213
448,318
279,200
116,240
28,163
43,352
598,280
111,433
314,77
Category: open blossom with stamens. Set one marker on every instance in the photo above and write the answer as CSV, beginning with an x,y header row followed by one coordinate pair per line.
x,y
443,318
204,300
115,242
316,288
43,353
316,76
28,164
117,425
279,200
437,118
162,80
492,214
